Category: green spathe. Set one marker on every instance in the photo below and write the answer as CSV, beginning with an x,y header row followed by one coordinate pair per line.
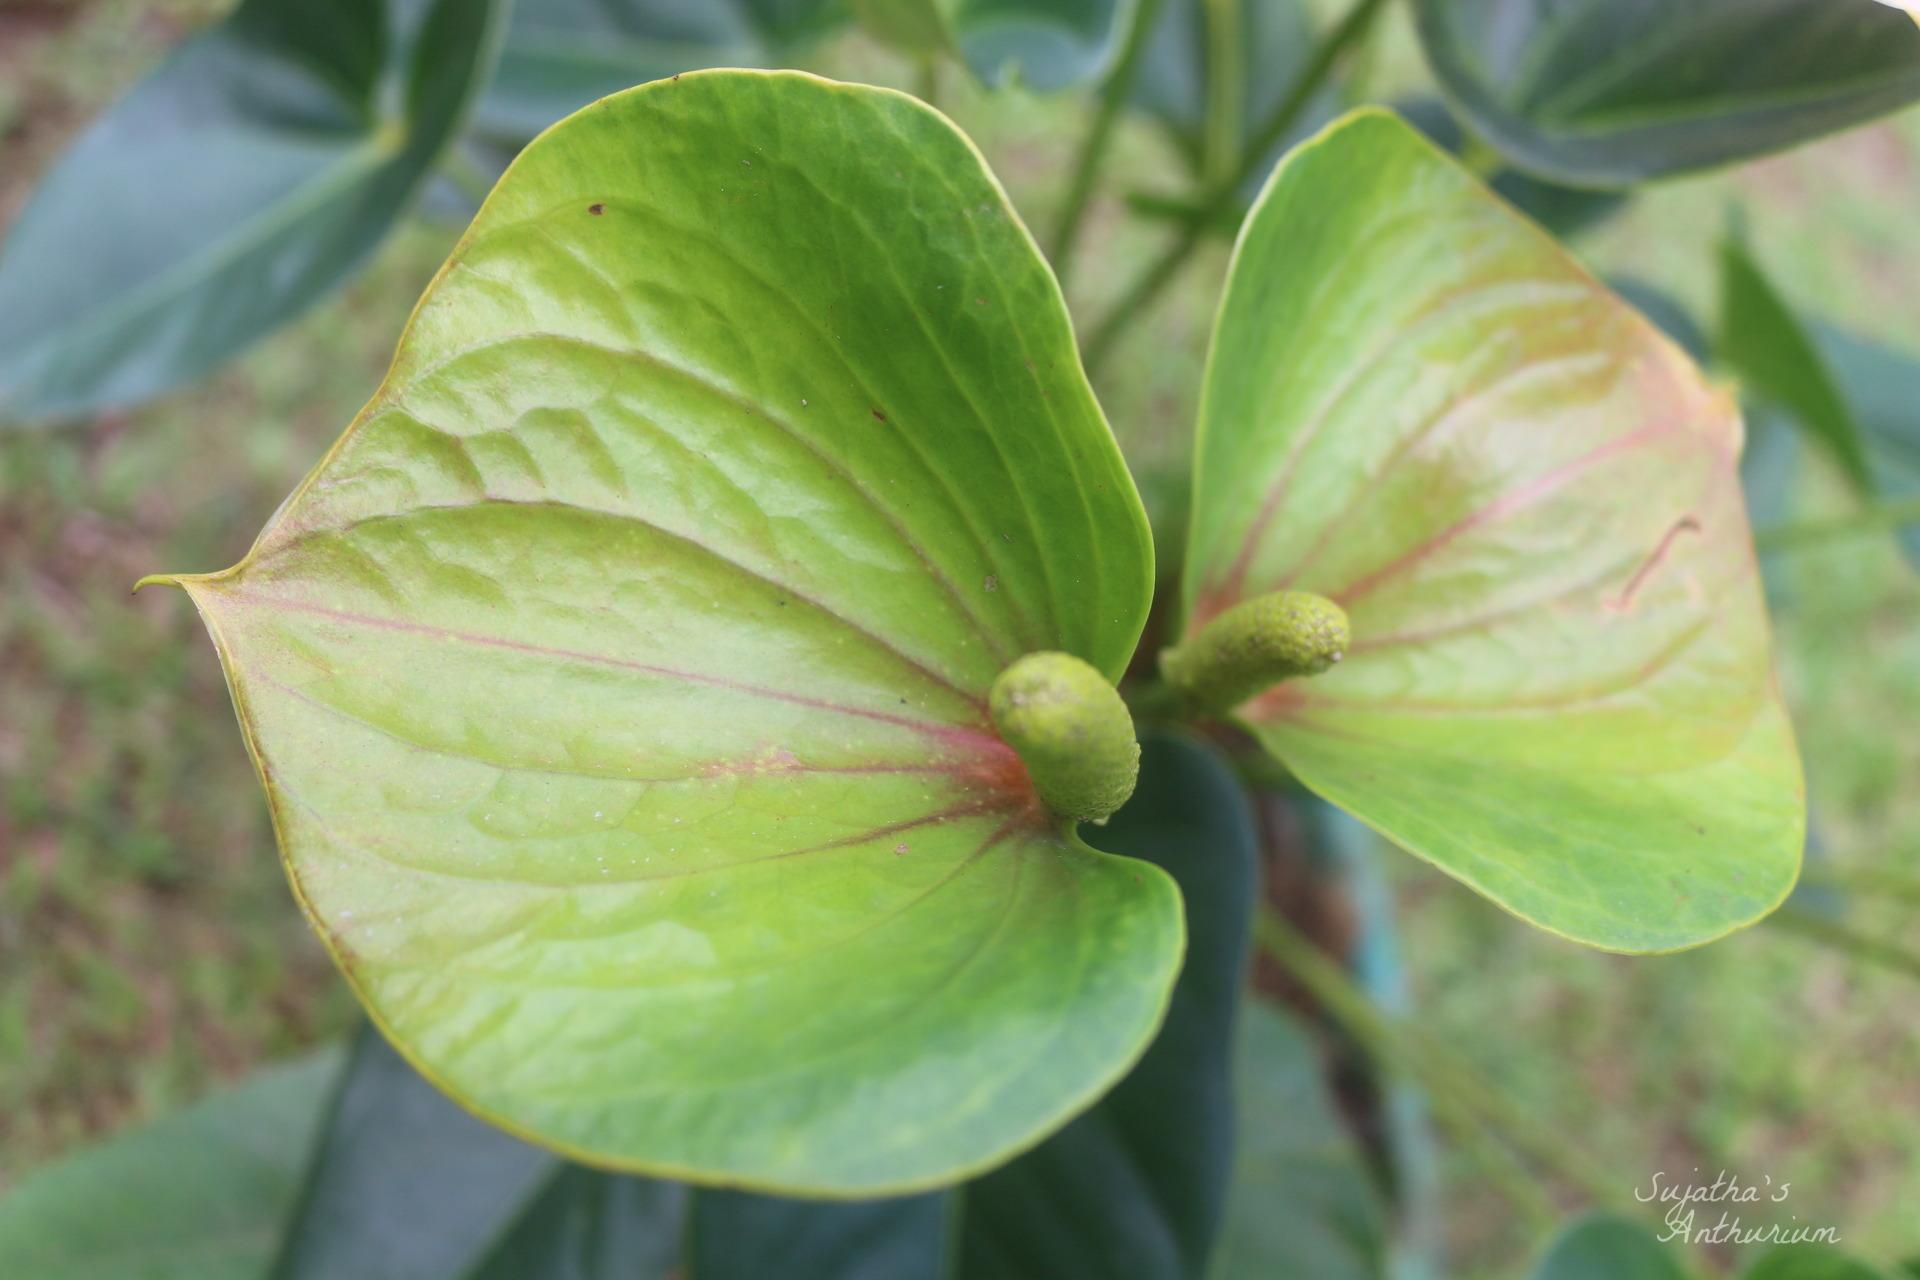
x,y
1071,730
1256,644
1560,688
619,680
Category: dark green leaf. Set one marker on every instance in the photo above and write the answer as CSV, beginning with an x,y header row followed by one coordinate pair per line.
x,y
1612,92
588,1225
1135,1189
1882,390
1042,44
1303,1206
1565,211
199,1195
228,192
1770,463
1274,43
1764,342
403,1184
1047,45
1605,1247
736,1235
562,54
1666,311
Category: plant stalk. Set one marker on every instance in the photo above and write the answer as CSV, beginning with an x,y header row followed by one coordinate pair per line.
x,y
1367,1025
1099,136
1453,1085
1286,113
1226,91
1848,940
1870,881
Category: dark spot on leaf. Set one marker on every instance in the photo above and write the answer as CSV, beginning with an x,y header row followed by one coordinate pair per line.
x,y
596,209
992,583
879,415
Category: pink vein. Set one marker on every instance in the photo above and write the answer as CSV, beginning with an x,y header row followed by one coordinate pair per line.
x,y
1460,408
1440,308
1505,505
713,770
979,741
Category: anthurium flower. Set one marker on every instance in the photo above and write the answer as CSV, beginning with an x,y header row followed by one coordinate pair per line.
x,y
620,680
1558,684
676,691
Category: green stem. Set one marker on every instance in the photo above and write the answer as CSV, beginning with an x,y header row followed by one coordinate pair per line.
x,y
927,87
1140,294
1871,881
1181,210
1451,1084
1286,114
1099,136
1158,275
1847,940
1873,518
1364,1023
1226,91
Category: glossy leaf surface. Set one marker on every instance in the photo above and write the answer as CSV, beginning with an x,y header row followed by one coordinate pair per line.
x,y
1302,1206
1135,1189
1046,45
1607,1247
402,1183
559,55
1858,399
1271,47
737,1235
589,1225
228,192
1613,92
1565,211
198,1195
618,680
1763,341
1041,44
1882,390
1560,688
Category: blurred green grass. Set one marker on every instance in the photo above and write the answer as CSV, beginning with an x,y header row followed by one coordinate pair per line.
x,y
148,944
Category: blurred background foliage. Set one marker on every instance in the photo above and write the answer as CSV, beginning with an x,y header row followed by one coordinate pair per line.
x,y
148,946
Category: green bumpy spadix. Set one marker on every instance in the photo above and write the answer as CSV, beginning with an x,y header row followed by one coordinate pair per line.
x,y
1253,646
1071,730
